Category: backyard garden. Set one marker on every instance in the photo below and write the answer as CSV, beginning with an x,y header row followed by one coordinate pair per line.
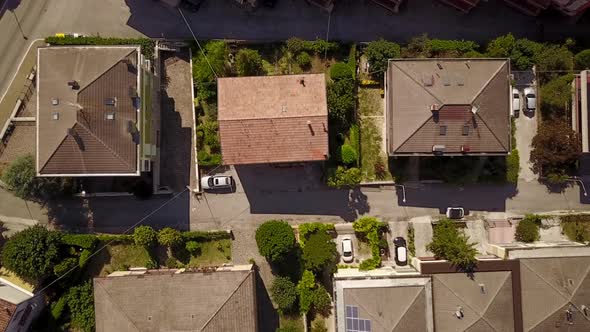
x,y
64,264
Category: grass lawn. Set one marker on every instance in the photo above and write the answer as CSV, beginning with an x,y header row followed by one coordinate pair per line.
x,y
576,227
295,323
118,257
373,159
370,102
211,255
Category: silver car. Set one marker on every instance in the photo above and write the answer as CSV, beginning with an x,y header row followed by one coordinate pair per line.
x,y
347,255
216,182
530,97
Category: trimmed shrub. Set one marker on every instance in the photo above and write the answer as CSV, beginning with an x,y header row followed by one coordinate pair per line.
x,y
303,60
169,237
284,294
206,236
275,240
348,154
57,307
193,247
147,45
342,177
528,229
444,46
80,301
307,229
319,252
512,166
451,244
32,253
341,100
582,60
115,238
84,258
85,241
171,263
340,70
65,266
369,264
145,236
207,159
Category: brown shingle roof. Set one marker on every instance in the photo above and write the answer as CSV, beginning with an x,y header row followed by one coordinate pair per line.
x,y
82,141
273,118
470,93
189,301
7,309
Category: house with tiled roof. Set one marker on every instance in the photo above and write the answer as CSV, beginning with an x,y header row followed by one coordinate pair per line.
x,y
222,299
448,107
19,306
273,119
90,113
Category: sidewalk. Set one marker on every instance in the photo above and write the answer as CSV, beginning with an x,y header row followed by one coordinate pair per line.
x,y
14,90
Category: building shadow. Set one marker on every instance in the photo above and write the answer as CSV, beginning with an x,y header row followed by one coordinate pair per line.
x,y
8,5
297,190
470,197
268,317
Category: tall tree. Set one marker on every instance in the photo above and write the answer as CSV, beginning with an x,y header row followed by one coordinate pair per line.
x,y
555,148
451,244
319,252
378,52
275,240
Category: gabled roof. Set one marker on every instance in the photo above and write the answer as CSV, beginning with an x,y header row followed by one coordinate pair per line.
x,y
168,301
550,287
270,119
468,97
81,140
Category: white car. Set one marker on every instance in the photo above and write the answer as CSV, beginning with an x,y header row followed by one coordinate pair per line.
x,y
515,102
530,98
455,212
216,181
347,255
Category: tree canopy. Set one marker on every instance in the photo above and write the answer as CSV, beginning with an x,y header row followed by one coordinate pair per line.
x,y
145,236
216,58
341,100
32,253
249,62
284,294
378,52
319,252
527,229
169,237
80,300
557,96
451,244
582,60
555,148
275,240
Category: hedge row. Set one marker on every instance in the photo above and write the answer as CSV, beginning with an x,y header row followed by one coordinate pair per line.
x,y
147,45
84,241
206,236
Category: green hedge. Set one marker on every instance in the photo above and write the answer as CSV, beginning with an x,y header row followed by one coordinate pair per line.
x,y
84,241
512,166
205,236
461,46
147,45
57,308
116,238
84,258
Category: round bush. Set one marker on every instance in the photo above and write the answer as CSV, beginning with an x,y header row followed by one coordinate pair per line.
x,y
527,230
303,60
348,154
275,239
284,294
340,70
169,237
193,247
145,236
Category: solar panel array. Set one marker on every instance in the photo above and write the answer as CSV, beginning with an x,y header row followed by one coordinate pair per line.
x,y
354,323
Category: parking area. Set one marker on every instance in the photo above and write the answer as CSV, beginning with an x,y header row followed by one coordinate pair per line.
x,y
526,124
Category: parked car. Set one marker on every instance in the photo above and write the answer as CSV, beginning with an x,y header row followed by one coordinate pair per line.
x,y
455,212
401,251
216,182
347,254
530,98
191,5
515,103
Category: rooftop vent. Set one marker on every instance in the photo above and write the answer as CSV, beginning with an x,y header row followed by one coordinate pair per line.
x,y
55,116
427,80
54,101
434,107
474,109
459,313
284,109
74,85
111,101
465,148
482,288
109,116
439,148
443,130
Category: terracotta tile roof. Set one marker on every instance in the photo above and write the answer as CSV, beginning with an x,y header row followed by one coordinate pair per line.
x,y
468,98
272,119
188,301
7,309
82,141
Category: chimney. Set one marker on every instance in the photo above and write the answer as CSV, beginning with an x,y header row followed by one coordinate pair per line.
x,y
74,85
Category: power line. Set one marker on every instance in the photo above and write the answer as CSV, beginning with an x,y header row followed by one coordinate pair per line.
x,y
198,44
40,292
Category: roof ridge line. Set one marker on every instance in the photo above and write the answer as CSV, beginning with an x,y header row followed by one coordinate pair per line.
x,y
417,83
269,118
487,82
484,320
414,133
407,308
118,306
104,72
459,297
250,273
492,132
104,144
493,298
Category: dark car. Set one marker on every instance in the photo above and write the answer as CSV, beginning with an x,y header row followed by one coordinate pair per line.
x,y
401,252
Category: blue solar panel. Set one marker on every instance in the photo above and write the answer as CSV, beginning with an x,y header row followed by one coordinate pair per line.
x,y
354,323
